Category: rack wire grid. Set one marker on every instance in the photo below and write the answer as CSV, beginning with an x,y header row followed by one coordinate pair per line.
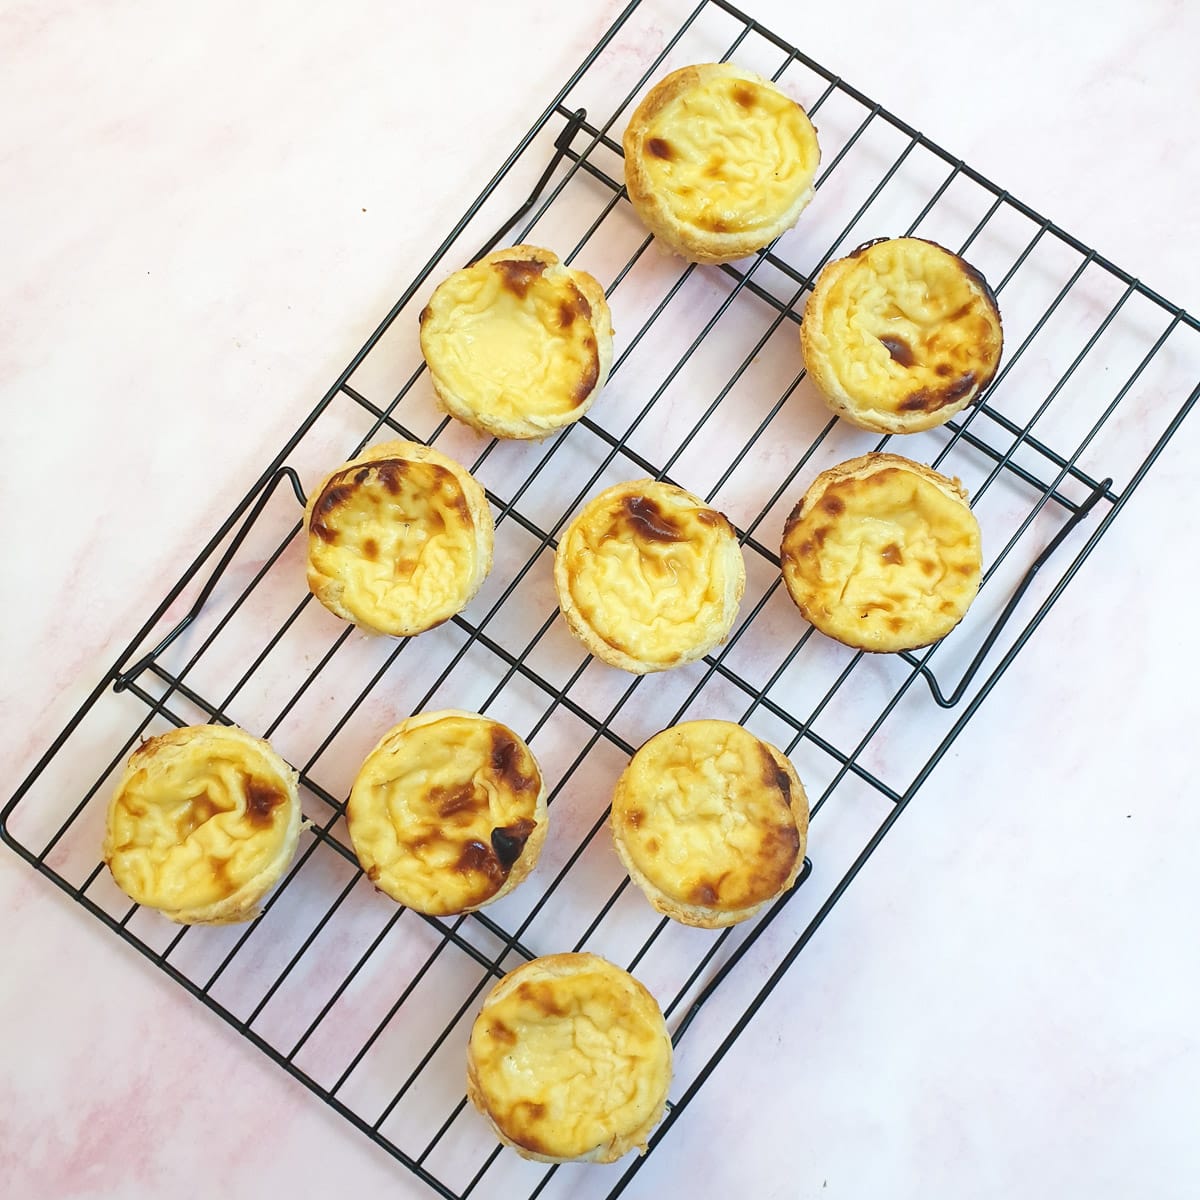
x,y
350,993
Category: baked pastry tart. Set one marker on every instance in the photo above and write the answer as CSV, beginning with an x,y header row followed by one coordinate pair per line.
x,y
202,824
448,812
882,553
900,335
518,344
710,822
399,539
570,1060
719,162
648,576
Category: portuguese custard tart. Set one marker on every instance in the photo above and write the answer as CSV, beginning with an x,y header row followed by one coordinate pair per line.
x,y
900,335
448,812
399,539
570,1060
518,344
710,822
882,553
202,824
719,162
648,576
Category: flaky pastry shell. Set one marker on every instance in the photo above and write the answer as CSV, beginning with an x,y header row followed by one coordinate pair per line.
x,y
648,576
710,822
570,1060
203,822
719,162
448,812
882,553
901,335
518,344
399,539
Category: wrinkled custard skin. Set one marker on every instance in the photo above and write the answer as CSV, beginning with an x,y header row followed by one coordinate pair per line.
x,y
203,818
511,343
399,542
713,819
901,335
652,573
570,1058
883,559
730,154
444,808
719,162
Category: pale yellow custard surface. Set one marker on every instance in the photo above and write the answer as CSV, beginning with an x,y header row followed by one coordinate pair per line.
x,y
518,344
883,553
399,539
710,821
649,576
719,161
202,823
570,1060
448,812
901,335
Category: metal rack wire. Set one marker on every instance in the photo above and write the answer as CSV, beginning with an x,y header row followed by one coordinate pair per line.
x,y
335,983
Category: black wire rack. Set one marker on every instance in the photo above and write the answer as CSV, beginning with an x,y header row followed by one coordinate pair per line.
x,y
348,992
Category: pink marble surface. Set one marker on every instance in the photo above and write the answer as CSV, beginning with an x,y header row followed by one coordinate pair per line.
x,y
206,212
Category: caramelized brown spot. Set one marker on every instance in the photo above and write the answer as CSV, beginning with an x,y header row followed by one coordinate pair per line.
x,y
958,389
363,475
448,802
541,996
703,893
370,549
502,1033
648,521
743,95
891,554
895,624
833,505
509,840
943,369
203,809
960,312
424,315
714,519
531,1110
660,149
507,761
566,314
324,532
928,566
821,533
476,858
774,776
261,801
652,845
715,168
900,350
518,275
805,549
635,817
920,401
591,372
965,569
391,472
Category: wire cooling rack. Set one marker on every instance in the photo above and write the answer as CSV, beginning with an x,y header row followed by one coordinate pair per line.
x,y
369,1004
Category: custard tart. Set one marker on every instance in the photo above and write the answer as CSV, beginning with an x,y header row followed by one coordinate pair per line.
x,y
570,1060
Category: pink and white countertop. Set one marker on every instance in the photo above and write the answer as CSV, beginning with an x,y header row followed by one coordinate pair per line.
x,y
205,212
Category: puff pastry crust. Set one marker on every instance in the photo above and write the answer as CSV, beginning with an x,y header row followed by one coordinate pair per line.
x,y
901,335
882,553
518,345
448,812
710,822
570,1060
648,576
719,162
399,539
203,822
